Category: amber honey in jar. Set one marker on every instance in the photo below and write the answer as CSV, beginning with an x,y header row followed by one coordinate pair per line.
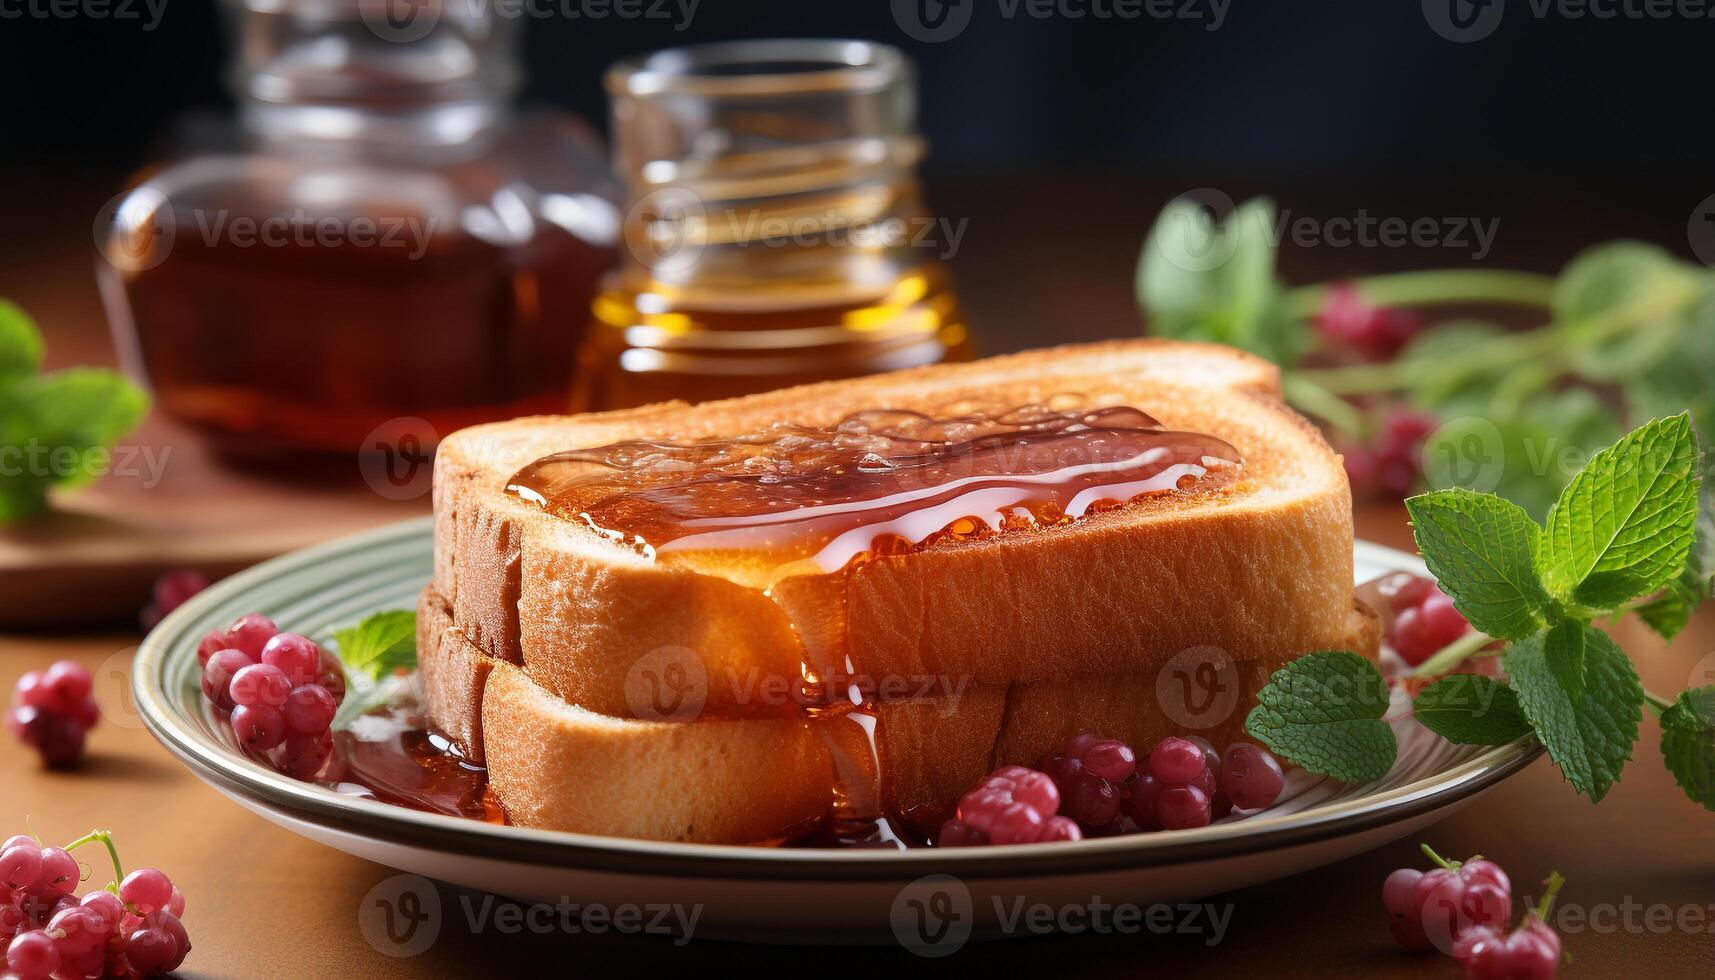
x,y
775,231
384,239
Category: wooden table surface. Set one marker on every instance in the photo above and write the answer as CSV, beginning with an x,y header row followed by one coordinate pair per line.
x,y
265,903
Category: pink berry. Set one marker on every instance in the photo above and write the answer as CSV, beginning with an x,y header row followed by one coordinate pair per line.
x,y
1399,892
176,904
175,588
1442,897
211,644
82,927
1091,801
1182,808
310,709
1486,870
217,675
60,872
1015,823
1407,930
302,756
1061,828
33,955
251,633
957,833
151,950
1176,761
20,865
32,692
69,683
296,656
1251,777
1140,801
58,738
1420,633
106,905
259,727
1111,759
1079,744
260,685
1485,903
146,889
1403,590
332,676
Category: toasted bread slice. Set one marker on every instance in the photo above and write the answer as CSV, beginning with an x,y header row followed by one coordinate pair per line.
x,y
565,768
1261,568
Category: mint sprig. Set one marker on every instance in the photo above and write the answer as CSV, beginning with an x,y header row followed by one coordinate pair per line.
x,y
1631,525
1323,713
55,428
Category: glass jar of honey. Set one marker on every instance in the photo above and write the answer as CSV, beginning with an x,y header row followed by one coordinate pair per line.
x,y
775,230
383,239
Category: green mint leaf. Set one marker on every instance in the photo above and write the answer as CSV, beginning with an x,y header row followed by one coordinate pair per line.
x,y
1625,524
1589,736
1323,712
20,343
84,409
1482,550
1630,282
1563,649
1200,279
1669,613
1688,743
1467,709
382,644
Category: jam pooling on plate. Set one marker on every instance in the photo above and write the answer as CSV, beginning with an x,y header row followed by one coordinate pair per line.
x,y
878,482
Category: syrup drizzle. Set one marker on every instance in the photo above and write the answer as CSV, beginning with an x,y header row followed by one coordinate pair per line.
x,y
878,482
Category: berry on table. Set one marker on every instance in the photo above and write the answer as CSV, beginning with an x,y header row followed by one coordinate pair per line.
x,y
171,591
52,712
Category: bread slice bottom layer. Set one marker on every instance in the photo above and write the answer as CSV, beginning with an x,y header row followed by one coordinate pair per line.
x,y
749,780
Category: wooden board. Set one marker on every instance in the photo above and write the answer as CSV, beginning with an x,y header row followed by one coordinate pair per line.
x,y
168,504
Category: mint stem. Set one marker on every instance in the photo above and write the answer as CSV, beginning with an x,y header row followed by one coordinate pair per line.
x,y
1437,287
106,838
1657,703
1453,654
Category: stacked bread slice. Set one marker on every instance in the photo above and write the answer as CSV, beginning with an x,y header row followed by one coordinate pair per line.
x,y
609,692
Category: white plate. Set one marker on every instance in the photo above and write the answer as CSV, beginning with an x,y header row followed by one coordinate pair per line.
x,y
755,893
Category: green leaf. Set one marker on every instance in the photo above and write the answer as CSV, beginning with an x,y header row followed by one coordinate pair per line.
x,y
1482,550
1467,709
1563,649
1625,524
20,343
1633,282
1688,743
1202,280
82,409
1589,736
382,644
1323,712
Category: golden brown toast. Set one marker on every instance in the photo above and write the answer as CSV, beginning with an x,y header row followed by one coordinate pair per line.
x,y
1042,632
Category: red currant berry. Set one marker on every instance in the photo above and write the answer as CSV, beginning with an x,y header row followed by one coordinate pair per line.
x,y
217,675
957,833
1111,759
260,685
259,727
310,709
251,633
1176,761
1182,808
296,656
1251,777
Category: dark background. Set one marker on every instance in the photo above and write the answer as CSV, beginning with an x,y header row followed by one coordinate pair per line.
x,y
1045,132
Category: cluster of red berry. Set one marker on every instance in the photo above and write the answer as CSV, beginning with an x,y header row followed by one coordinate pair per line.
x,y
1377,333
1419,619
130,929
279,691
53,710
1462,908
1097,786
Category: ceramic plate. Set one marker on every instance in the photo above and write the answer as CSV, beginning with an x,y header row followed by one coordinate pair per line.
x,y
772,894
